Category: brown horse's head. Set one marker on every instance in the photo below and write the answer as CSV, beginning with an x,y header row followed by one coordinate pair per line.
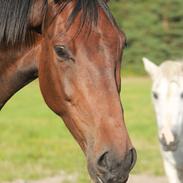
x,y
79,76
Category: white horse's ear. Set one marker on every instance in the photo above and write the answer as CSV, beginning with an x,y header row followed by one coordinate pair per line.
x,y
151,68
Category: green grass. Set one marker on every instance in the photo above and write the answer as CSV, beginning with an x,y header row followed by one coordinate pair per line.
x,y
35,143
140,120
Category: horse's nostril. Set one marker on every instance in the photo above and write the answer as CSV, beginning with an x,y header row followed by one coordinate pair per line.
x,y
107,161
130,160
103,161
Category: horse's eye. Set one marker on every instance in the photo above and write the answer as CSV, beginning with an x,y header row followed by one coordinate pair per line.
x,y
155,95
126,44
61,52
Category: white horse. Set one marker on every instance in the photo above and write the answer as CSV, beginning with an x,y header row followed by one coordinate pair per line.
x,y
167,93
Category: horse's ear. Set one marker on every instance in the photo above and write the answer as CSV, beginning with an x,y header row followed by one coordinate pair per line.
x,y
151,68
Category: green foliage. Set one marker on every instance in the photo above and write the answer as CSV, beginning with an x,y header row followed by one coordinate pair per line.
x,y
154,29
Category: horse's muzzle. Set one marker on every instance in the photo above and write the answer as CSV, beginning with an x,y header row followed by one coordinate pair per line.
x,y
169,140
171,146
110,169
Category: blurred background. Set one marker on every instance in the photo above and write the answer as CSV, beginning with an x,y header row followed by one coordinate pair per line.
x,y
34,143
153,28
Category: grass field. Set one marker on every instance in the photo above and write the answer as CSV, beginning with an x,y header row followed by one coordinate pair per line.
x,y
34,142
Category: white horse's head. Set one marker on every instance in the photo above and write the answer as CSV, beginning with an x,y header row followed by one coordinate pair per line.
x,y
167,94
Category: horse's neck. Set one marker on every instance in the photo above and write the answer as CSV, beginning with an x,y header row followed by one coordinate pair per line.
x,y
17,69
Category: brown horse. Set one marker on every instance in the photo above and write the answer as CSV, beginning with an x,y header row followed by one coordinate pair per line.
x,y
75,48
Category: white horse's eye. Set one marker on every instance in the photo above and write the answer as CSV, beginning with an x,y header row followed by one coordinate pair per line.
x,y
155,95
181,95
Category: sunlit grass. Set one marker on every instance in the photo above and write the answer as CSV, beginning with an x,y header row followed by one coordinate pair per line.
x,y
141,123
35,143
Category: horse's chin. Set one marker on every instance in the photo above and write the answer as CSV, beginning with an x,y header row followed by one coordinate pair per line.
x,y
99,180
107,177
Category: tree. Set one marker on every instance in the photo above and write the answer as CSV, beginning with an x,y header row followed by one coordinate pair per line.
x,y
153,28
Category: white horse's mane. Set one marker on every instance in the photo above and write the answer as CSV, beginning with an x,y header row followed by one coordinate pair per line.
x,y
170,69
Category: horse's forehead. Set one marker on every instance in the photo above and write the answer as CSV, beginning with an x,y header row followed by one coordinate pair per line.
x,y
102,43
105,37
164,78
160,85
106,26
164,83
169,87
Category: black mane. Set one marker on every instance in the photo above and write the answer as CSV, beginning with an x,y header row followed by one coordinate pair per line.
x,y
89,11
14,15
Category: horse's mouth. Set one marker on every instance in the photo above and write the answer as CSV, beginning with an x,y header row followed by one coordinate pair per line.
x,y
99,180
